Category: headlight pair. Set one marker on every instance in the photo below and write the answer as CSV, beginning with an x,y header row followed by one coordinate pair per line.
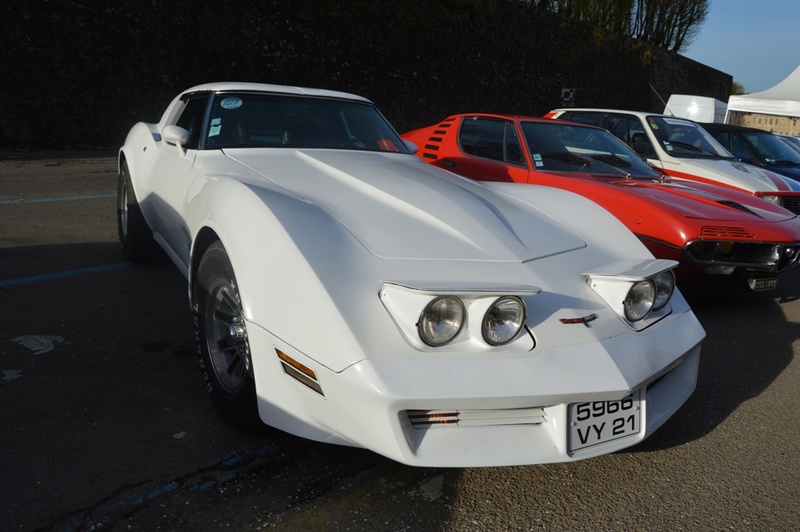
x,y
638,291
648,295
445,316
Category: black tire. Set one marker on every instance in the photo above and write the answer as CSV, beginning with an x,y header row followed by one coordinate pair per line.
x,y
222,344
135,235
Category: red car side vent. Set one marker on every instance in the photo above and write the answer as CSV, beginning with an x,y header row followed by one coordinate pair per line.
x,y
711,232
434,141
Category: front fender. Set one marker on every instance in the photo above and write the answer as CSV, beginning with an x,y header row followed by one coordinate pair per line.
x,y
302,276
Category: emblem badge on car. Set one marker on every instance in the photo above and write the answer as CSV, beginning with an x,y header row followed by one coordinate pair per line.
x,y
585,320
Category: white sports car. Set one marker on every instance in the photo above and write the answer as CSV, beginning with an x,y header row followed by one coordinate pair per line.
x,y
347,292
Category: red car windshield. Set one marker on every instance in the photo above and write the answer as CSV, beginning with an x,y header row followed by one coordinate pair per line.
x,y
561,147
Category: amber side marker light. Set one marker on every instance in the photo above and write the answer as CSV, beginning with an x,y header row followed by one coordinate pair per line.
x,y
299,372
437,417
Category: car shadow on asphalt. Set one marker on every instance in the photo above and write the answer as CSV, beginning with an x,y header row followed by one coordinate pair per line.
x,y
749,343
106,419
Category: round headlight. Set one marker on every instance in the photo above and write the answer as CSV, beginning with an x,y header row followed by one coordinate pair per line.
x,y
639,300
725,247
772,199
665,284
503,320
441,320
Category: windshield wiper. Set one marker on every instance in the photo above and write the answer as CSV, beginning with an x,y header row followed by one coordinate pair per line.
x,y
599,164
569,158
692,149
612,160
784,163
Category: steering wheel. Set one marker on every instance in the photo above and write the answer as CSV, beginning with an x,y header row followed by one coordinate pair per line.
x,y
353,142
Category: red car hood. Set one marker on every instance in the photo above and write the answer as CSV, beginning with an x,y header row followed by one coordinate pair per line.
x,y
704,202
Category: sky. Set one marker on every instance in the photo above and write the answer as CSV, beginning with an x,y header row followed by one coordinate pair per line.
x,y
755,41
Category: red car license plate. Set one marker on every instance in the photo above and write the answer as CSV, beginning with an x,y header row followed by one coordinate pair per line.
x,y
762,284
598,422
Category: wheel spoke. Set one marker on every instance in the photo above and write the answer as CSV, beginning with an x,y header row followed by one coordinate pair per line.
x,y
224,347
224,316
236,367
227,338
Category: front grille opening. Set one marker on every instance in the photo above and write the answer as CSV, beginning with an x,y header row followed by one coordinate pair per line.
x,y
423,419
791,204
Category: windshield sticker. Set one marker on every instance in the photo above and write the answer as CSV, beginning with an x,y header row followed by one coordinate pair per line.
x,y
537,159
231,102
653,125
668,146
216,127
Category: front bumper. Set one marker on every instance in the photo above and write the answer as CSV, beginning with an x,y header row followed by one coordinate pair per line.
x,y
727,257
368,404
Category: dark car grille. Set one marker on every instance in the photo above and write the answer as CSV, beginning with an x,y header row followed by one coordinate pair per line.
x,y
744,256
791,203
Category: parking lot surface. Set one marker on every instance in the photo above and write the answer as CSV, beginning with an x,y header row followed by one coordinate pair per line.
x,y
104,421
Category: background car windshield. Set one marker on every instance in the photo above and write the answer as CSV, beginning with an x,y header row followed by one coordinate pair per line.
x,y
245,120
772,148
683,138
566,148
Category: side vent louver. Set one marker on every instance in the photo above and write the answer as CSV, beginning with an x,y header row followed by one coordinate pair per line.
x,y
430,149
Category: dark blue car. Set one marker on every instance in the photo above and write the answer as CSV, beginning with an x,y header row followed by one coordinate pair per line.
x,y
758,147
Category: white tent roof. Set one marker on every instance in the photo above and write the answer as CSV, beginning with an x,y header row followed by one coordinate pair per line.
x,y
783,99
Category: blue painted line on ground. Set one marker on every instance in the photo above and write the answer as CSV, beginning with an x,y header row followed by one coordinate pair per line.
x,y
62,275
113,508
48,200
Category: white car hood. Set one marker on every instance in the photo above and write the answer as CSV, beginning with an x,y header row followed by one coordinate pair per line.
x,y
401,208
734,173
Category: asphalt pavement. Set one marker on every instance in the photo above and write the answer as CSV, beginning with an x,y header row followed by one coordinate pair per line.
x,y
104,422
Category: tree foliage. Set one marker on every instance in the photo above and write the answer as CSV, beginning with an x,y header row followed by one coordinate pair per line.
x,y
669,24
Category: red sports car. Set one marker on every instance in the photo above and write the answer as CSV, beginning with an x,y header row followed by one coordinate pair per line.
x,y
709,229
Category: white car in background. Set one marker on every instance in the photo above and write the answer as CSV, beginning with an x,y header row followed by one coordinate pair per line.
x,y
347,292
681,148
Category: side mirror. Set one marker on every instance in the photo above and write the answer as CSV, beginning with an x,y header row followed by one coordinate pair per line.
x,y
413,148
175,135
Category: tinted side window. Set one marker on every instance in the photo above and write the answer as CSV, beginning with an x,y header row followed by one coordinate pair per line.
x,y
491,138
191,119
629,130
624,127
737,147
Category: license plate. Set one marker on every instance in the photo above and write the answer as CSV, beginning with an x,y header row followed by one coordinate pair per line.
x,y
599,422
762,284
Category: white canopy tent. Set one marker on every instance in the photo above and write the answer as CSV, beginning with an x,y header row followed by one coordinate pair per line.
x,y
781,100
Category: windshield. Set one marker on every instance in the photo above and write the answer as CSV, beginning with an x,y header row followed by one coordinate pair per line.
x,y
684,138
257,120
792,142
772,149
560,147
